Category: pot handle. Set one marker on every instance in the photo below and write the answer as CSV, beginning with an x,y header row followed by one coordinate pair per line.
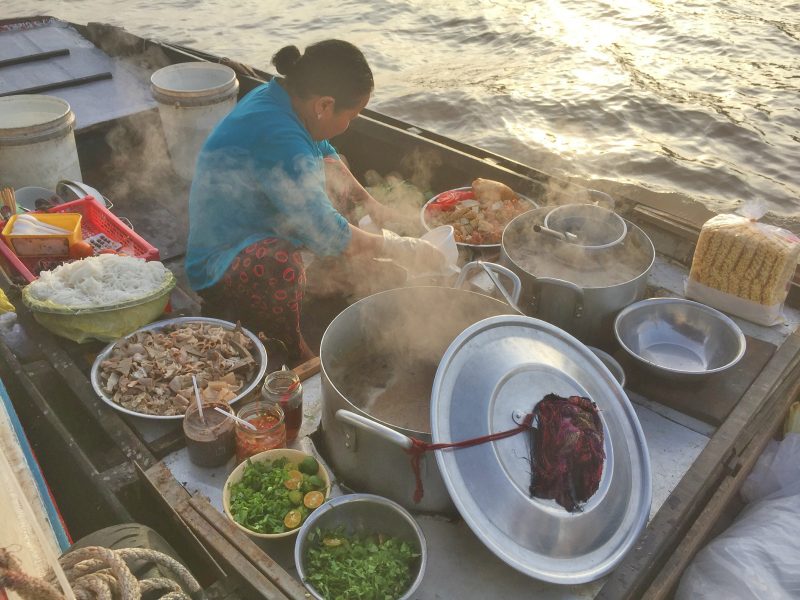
x,y
575,290
493,270
367,424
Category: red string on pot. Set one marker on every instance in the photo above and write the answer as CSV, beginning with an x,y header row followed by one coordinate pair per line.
x,y
419,448
567,452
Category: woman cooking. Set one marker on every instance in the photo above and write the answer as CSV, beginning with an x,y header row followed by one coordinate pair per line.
x,y
261,190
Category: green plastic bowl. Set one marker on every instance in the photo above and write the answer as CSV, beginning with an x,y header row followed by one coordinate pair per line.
x,y
106,324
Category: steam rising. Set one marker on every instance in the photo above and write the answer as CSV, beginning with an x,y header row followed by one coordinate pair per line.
x,y
403,335
382,353
139,152
543,256
137,146
406,191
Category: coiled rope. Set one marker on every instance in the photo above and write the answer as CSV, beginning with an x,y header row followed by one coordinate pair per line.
x,y
97,573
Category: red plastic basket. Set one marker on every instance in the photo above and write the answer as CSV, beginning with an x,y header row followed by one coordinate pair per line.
x,y
96,219
13,266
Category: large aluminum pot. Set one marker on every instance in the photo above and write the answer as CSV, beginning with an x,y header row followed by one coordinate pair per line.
x,y
379,357
580,292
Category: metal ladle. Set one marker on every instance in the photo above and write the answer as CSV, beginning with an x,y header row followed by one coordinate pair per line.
x,y
564,237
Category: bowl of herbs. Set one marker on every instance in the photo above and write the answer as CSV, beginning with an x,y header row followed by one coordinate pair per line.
x,y
271,494
360,546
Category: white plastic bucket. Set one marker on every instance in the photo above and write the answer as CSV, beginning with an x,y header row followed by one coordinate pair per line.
x,y
192,98
37,142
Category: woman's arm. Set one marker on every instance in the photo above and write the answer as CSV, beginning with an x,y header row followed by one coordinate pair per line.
x,y
343,188
363,243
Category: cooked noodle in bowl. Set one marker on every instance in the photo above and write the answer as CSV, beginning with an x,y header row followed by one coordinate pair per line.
x,y
103,297
99,281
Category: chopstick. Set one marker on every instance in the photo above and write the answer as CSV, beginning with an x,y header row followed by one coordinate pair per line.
x,y
9,201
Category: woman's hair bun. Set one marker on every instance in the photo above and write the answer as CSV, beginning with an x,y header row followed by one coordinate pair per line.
x,y
333,68
285,59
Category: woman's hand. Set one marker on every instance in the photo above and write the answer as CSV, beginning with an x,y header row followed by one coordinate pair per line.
x,y
417,255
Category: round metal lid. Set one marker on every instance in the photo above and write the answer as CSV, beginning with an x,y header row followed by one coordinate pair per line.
x,y
505,365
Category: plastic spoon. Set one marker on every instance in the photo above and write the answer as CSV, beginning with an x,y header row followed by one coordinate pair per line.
x,y
42,225
199,401
239,420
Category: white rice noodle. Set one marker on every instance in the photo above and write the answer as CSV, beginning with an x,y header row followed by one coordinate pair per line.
x,y
98,281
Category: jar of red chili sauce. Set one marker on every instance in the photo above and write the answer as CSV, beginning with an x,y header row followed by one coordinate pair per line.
x,y
284,388
270,432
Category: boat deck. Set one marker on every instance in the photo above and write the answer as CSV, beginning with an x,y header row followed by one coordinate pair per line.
x,y
460,566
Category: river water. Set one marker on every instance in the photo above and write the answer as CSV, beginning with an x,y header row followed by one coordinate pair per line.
x,y
694,97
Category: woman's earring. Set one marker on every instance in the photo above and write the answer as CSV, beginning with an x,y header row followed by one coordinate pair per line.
x,y
319,116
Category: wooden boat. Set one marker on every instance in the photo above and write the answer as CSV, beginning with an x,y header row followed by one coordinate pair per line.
x,y
105,468
33,531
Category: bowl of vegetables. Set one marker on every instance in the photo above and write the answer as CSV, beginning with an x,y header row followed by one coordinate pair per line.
x,y
271,494
360,546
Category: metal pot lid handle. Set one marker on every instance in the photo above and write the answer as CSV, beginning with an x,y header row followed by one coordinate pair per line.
x,y
367,424
492,269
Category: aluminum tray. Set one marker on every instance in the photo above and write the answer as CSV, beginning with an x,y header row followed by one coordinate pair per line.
x,y
492,374
260,355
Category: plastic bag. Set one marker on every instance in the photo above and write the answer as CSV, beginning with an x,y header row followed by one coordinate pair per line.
x,y
758,556
743,267
5,303
776,472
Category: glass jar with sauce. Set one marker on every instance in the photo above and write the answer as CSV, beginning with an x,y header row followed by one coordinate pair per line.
x,y
270,432
210,439
284,389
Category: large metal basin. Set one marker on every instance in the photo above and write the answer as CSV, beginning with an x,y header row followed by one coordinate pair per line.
x,y
678,339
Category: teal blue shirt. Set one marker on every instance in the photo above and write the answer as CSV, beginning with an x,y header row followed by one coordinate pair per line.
x,y
259,175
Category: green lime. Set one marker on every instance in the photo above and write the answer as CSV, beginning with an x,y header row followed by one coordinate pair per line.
x,y
296,497
316,482
309,466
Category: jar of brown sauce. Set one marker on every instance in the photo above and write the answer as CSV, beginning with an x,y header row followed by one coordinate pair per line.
x,y
210,439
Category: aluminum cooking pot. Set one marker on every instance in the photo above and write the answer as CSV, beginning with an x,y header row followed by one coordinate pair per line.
x,y
578,292
379,357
